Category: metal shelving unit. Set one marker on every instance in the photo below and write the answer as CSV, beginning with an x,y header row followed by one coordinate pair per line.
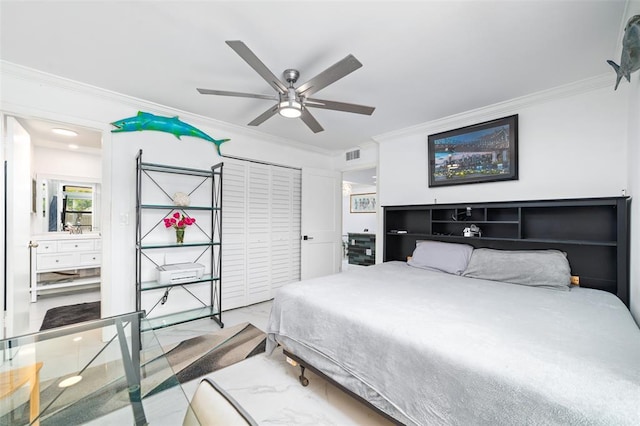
x,y
210,240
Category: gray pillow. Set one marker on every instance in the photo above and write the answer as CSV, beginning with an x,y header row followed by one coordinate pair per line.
x,y
538,268
445,257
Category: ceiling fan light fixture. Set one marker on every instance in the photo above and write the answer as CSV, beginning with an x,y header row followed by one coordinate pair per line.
x,y
290,109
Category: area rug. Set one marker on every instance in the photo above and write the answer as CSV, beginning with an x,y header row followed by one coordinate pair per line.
x,y
199,356
70,314
189,360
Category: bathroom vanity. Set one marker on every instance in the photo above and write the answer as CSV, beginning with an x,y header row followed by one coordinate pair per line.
x,y
62,261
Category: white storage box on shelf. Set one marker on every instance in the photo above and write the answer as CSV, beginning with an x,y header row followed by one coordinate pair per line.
x,y
179,272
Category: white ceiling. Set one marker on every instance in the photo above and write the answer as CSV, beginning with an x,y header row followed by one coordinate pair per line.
x,y
422,60
41,133
360,177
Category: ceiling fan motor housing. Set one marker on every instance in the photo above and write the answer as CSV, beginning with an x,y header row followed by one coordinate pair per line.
x,y
291,75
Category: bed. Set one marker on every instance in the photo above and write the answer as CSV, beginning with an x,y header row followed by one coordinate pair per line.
x,y
432,344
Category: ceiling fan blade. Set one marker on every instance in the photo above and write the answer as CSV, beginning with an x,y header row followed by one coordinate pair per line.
x,y
332,74
238,94
310,121
264,116
255,63
339,106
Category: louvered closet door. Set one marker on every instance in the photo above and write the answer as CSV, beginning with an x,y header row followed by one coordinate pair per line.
x,y
285,227
258,241
234,235
261,231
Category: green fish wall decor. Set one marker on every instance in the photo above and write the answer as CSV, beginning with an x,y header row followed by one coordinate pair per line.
x,y
173,125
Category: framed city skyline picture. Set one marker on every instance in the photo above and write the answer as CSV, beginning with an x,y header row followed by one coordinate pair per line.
x,y
484,152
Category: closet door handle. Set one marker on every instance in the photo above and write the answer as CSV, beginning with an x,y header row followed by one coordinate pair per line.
x,y
34,245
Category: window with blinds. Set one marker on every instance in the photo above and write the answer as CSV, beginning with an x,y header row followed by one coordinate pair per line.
x,y
261,231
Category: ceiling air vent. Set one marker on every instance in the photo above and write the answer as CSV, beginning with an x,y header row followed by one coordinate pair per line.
x,y
353,155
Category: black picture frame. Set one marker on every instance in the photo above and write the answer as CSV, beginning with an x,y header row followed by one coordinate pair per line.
x,y
484,152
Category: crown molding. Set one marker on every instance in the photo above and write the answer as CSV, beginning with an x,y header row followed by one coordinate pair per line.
x,y
501,108
40,77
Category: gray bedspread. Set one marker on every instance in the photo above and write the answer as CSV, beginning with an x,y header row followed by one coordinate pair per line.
x,y
432,348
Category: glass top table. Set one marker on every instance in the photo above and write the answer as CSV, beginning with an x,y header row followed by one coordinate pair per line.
x,y
106,371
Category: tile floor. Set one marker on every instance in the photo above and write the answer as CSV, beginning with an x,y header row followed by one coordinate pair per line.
x,y
266,386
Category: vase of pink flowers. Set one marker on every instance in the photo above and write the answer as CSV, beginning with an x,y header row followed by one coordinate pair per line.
x,y
179,222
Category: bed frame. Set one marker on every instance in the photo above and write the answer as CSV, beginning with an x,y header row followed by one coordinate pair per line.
x,y
304,381
594,232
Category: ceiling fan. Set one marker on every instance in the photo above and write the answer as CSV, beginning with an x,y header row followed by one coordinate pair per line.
x,y
292,102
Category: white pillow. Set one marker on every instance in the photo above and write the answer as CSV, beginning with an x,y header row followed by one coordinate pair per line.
x,y
451,258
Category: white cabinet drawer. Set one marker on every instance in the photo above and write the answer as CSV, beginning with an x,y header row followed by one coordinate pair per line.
x,y
88,259
47,247
75,245
98,245
55,261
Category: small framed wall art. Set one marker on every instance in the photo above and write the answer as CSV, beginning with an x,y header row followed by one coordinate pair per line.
x,y
363,203
484,152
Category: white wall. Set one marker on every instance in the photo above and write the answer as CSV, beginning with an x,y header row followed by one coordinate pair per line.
x,y
368,158
570,145
61,162
30,93
357,222
633,155
579,140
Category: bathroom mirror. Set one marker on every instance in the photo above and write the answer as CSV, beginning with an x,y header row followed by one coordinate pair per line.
x,y
67,204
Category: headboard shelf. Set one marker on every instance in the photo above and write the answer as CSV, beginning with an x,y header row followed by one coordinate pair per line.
x,y
594,232
455,238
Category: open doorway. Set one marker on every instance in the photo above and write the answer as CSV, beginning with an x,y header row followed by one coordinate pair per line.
x,y
359,217
64,234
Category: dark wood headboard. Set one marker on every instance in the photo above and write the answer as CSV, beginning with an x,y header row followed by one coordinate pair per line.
x,y
594,232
